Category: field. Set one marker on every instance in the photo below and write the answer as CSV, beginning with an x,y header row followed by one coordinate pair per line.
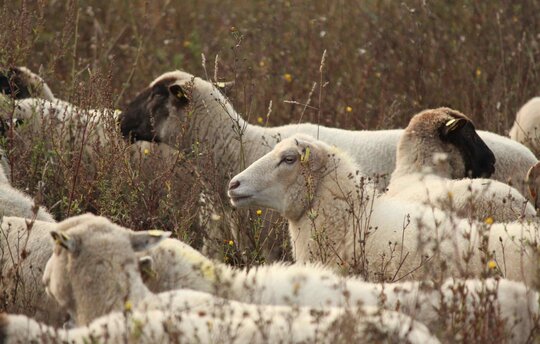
x,y
352,64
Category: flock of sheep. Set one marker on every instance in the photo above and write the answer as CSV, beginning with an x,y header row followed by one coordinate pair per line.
x,y
426,217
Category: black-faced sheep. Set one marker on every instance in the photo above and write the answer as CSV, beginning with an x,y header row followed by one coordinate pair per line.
x,y
439,141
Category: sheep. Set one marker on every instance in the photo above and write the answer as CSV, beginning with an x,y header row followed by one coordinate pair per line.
x,y
178,100
211,320
24,251
14,202
68,127
94,272
175,265
526,129
338,219
21,82
419,177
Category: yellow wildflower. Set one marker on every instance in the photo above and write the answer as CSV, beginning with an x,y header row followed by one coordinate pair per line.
x,y
259,212
262,63
146,151
488,221
348,109
287,77
491,264
260,120
478,72
231,243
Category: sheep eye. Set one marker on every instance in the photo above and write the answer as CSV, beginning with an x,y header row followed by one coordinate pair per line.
x,y
290,159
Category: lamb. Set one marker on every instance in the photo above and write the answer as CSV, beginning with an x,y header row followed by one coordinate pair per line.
x,y
526,129
336,218
418,177
94,272
21,82
175,265
24,251
177,100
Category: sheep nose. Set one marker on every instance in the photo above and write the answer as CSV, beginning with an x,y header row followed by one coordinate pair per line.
x,y
234,184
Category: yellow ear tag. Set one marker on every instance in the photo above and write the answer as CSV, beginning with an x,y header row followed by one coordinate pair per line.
x,y
220,84
305,156
450,122
155,232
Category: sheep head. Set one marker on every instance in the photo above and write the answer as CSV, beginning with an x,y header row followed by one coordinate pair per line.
x,y
20,83
284,179
161,111
447,131
94,267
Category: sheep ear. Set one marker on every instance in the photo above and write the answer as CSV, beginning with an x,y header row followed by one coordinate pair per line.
x,y
146,265
145,240
478,159
224,86
177,91
453,125
64,241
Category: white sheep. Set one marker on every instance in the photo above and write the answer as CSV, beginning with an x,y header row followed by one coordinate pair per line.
x,y
423,175
175,265
526,128
207,319
338,219
94,271
178,100
24,250
21,82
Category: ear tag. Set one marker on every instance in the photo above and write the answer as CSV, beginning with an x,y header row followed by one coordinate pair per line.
x,y
450,122
155,232
220,84
305,157
60,239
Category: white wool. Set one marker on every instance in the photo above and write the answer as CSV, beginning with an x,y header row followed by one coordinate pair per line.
x,y
206,319
526,128
25,248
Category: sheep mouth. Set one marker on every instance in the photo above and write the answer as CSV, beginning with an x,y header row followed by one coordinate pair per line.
x,y
236,200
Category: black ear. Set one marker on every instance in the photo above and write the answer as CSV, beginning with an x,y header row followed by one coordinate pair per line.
x,y
478,159
453,125
179,95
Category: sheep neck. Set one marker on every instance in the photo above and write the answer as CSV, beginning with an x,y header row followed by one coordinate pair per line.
x,y
235,143
340,204
411,157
